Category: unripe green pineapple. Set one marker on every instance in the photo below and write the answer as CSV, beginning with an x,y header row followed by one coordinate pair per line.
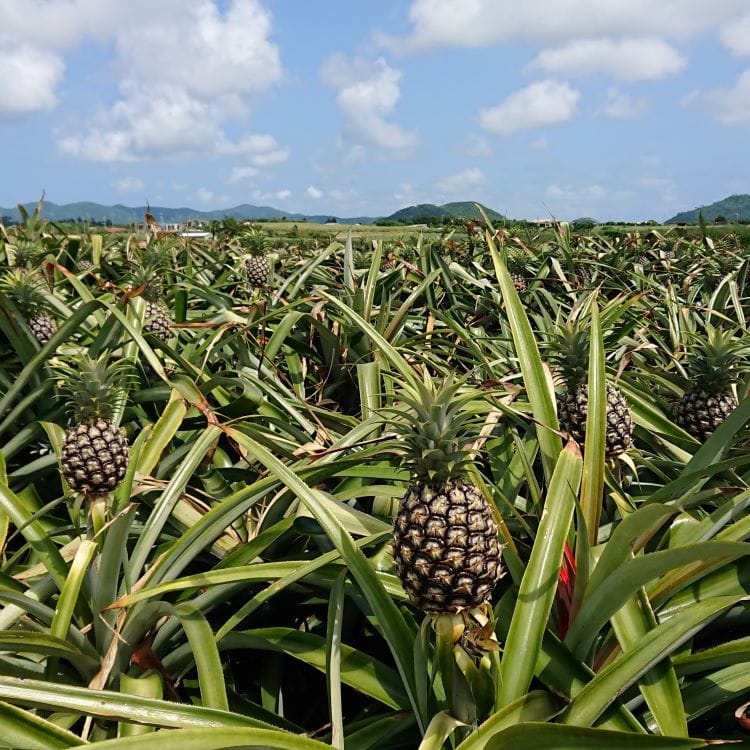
x,y
712,366
517,269
26,291
445,543
569,351
95,452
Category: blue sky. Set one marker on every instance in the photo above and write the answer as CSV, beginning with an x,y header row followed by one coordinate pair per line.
x,y
615,109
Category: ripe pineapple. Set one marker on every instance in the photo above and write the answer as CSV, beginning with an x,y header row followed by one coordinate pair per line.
x,y
256,266
445,541
145,277
26,292
569,350
94,453
157,320
712,364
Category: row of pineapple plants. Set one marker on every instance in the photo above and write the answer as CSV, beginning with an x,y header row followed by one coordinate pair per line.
x,y
340,469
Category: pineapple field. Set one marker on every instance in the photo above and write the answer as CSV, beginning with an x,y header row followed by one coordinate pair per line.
x,y
475,490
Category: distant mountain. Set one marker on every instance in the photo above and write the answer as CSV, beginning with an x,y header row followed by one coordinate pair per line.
x,y
124,215
459,210
733,208
119,214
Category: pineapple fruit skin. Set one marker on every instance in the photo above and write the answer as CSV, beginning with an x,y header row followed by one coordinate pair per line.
x,y
157,320
445,547
699,412
257,270
43,327
94,457
619,429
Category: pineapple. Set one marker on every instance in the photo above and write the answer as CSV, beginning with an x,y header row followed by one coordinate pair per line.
x,y
569,350
517,269
256,266
157,319
712,365
26,292
445,541
94,454
145,277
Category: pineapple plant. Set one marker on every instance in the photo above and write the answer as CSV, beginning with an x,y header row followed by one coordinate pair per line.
x,y
255,263
712,366
94,455
569,351
445,542
157,319
517,269
146,277
26,292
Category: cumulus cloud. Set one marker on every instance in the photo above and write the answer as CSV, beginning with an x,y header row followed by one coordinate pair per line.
x,y
243,174
313,192
202,51
367,94
194,66
461,183
477,23
626,59
129,185
542,103
620,105
29,79
736,36
730,106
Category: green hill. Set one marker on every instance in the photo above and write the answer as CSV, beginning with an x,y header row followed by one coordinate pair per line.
x,y
456,210
469,210
124,215
733,208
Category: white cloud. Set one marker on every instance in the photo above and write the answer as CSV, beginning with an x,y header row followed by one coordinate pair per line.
x,y
205,196
28,80
540,144
313,192
202,51
569,194
477,23
185,71
61,24
148,122
368,92
541,103
273,195
626,59
736,36
461,183
731,106
479,147
243,174
129,185
620,105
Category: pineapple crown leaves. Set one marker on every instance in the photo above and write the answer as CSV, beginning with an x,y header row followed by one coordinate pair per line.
x,y
147,270
568,349
26,291
435,428
255,241
713,359
91,388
